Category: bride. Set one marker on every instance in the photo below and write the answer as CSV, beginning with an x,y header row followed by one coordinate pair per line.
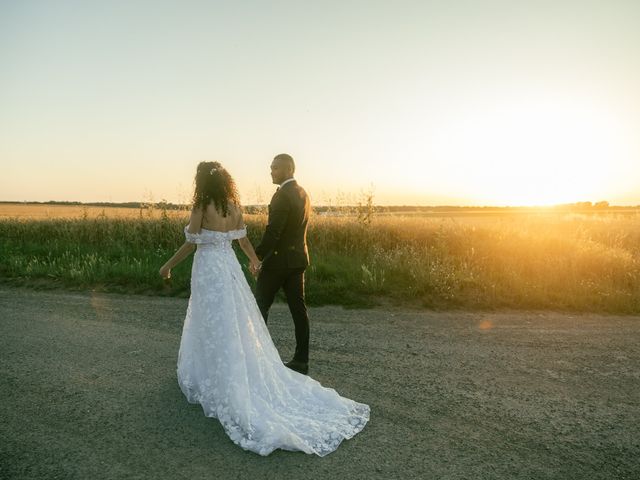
x,y
227,361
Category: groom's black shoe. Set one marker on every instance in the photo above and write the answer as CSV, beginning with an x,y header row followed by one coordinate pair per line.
x,y
298,366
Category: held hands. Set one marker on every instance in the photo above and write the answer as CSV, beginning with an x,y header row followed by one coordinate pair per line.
x,y
254,267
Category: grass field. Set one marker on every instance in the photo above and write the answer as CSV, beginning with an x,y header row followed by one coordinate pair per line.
x,y
521,261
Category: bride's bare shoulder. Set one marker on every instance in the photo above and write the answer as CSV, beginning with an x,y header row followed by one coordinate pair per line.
x,y
236,214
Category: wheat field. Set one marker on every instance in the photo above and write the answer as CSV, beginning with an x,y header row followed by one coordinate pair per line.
x,y
30,211
533,261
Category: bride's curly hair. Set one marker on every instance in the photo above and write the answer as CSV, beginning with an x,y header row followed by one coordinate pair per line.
x,y
213,183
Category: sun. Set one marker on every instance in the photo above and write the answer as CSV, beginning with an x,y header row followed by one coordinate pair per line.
x,y
529,152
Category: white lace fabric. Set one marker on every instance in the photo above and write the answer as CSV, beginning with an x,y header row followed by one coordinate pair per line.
x,y
213,237
228,363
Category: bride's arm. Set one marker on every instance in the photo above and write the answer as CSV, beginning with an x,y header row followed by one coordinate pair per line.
x,y
182,253
247,248
195,223
245,245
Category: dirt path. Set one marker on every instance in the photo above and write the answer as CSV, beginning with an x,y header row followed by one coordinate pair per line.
x,y
88,391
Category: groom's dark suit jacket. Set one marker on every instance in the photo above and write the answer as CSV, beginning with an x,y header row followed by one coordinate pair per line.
x,y
284,243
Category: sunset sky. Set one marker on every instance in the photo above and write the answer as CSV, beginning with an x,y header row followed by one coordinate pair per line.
x,y
425,102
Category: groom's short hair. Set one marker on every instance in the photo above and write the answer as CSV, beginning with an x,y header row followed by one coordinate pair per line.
x,y
288,159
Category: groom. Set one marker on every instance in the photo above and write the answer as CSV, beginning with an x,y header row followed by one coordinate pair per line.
x,y
284,255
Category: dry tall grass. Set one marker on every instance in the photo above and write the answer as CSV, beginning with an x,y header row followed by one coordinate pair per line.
x,y
587,263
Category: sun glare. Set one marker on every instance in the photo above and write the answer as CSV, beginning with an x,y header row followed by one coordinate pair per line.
x,y
527,153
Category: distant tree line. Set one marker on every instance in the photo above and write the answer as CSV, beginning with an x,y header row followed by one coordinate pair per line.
x,y
367,207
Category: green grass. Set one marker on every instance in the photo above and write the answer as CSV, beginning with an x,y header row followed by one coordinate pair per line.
x,y
554,261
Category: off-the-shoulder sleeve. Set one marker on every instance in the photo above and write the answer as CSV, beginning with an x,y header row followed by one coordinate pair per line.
x,y
192,237
238,234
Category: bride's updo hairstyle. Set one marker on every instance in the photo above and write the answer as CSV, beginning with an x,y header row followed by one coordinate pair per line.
x,y
213,183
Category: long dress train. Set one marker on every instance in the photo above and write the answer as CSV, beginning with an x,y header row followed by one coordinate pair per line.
x,y
228,363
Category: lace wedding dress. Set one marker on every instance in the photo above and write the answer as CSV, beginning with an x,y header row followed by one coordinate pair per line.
x,y
228,364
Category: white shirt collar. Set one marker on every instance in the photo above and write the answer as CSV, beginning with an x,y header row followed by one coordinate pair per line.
x,y
287,181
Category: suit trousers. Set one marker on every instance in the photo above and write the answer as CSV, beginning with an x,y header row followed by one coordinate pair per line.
x,y
291,280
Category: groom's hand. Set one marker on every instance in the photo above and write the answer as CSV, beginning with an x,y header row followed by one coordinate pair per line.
x,y
255,267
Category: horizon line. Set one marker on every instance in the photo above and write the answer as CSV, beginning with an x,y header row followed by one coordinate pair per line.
x,y
602,204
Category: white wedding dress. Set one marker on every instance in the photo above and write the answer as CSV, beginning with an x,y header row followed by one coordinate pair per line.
x,y
228,363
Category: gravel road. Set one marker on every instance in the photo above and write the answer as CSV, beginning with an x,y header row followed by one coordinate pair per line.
x,y
88,390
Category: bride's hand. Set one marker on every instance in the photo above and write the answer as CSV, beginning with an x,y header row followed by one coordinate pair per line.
x,y
165,272
255,267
